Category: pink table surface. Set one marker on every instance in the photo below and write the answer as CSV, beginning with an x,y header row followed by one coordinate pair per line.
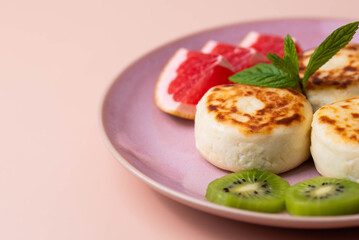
x,y
57,58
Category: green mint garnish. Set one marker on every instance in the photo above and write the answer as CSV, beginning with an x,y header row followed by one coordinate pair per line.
x,y
285,71
289,63
290,55
281,64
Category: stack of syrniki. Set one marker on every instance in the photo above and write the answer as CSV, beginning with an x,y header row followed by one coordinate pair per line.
x,y
335,127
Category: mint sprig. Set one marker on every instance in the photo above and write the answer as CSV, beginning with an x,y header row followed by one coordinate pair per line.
x,y
290,53
285,71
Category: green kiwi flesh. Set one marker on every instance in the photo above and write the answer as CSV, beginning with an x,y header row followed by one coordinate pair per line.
x,y
254,190
323,196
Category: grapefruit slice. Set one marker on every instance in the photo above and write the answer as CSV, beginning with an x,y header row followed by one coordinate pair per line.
x,y
266,43
186,78
240,57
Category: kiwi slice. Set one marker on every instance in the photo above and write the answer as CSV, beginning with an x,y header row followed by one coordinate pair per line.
x,y
323,196
254,190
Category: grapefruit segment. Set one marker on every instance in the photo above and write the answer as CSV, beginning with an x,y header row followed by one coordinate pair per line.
x,y
240,57
186,78
266,43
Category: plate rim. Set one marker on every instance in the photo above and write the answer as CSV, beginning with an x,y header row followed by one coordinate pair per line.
x,y
285,221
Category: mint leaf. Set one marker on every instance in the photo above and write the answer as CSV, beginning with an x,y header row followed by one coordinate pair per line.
x,y
290,54
285,66
265,75
289,64
329,47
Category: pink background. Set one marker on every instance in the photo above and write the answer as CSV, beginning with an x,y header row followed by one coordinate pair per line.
x,y
57,58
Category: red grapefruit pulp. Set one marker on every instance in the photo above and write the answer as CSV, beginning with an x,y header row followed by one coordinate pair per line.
x,y
186,78
266,43
240,58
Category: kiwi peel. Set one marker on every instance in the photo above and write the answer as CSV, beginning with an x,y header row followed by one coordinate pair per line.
x,y
254,190
323,196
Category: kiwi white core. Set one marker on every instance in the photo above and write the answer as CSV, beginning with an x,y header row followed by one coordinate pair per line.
x,y
246,188
323,191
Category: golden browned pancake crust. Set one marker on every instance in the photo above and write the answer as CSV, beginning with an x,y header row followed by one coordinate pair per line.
x,y
274,107
342,118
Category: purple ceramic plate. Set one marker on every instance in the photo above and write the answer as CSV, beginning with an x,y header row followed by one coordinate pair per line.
x,y
159,148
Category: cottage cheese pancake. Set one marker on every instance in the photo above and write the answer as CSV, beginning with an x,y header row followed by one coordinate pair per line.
x,y
335,139
239,127
336,80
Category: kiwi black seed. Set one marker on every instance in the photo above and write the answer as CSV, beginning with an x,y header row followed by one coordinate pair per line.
x,y
323,196
254,190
